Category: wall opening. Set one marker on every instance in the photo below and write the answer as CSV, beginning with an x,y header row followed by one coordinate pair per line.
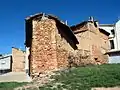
x,y
112,44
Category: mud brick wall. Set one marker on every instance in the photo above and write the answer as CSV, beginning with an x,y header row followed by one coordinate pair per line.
x,y
63,49
104,46
97,44
95,41
18,60
50,50
87,39
90,40
43,48
67,56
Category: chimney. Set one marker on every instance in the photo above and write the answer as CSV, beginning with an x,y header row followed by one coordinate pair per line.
x,y
44,17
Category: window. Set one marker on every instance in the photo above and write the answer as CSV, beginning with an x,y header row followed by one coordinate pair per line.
x,y
113,32
112,44
96,59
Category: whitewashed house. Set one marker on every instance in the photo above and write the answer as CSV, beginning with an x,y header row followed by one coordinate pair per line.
x,y
5,63
114,41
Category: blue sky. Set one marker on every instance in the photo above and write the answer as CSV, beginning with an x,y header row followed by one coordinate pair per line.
x,y
13,13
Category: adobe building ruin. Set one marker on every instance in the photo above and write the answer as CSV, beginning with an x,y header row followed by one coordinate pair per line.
x,y
92,39
49,40
52,45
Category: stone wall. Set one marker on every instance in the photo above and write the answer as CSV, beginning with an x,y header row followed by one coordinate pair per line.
x,y
18,60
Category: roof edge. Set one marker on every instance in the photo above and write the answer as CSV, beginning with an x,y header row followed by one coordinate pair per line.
x,y
104,31
106,25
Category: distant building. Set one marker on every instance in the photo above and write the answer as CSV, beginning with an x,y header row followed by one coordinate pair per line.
x,y
14,62
18,60
5,63
114,41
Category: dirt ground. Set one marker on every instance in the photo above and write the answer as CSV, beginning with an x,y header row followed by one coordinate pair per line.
x,y
111,88
15,76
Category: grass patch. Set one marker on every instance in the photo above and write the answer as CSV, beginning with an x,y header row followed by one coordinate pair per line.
x,y
85,78
10,85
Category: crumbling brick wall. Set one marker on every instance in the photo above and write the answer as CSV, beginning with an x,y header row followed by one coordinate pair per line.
x,y
86,42
67,56
52,47
89,37
104,46
63,48
18,60
43,48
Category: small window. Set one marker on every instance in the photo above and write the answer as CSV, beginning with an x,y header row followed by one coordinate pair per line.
x,y
96,59
112,44
113,32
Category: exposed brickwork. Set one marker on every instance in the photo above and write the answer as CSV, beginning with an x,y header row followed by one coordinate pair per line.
x,y
43,49
18,60
63,49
